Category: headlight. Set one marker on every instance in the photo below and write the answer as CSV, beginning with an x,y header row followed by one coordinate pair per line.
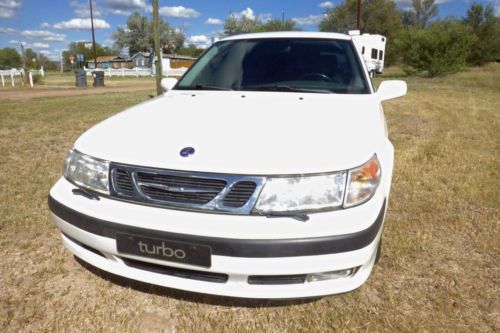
x,y
320,192
86,171
362,182
302,193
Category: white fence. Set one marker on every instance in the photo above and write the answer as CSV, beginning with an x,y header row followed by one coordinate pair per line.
x,y
19,72
137,72
134,72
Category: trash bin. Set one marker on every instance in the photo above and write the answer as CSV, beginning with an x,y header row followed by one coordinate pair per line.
x,y
98,78
81,78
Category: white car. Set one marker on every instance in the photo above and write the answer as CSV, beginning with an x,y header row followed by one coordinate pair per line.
x,y
263,173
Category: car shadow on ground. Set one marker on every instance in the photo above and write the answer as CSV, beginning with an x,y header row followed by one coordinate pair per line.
x,y
191,296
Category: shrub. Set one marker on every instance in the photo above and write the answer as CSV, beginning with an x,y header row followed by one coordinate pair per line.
x,y
37,79
486,28
441,48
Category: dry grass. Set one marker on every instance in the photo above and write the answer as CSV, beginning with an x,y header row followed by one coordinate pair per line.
x,y
438,271
66,80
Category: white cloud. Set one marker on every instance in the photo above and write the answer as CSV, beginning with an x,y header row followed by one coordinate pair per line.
x,y
178,12
8,8
45,25
202,41
78,23
82,9
10,3
497,8
326,5
248,13
7,30
44,35
51,54
198,39
39,45
36,45
126,7
212,20
13,41
308,20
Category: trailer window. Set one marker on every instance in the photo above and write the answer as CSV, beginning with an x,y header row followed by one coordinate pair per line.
x,y
363,50
380,54
374,54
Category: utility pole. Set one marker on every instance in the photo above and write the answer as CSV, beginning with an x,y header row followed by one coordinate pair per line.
x,y
159,56
25,75
359,15
93,35
61,58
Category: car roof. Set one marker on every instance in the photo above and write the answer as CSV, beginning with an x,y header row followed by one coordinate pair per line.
x,y
290,34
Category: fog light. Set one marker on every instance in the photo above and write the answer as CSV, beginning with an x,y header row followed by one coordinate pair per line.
x,y
331,275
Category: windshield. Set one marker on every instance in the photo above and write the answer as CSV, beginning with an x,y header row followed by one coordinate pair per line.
x,y
278,64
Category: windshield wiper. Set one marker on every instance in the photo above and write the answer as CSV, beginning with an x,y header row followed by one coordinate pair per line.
x,y
205,87
287,88
298,216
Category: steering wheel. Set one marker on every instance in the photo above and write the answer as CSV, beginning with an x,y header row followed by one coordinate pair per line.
x,y
315,76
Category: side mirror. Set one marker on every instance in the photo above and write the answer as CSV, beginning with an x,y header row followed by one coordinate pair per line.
x,y
391,89
168,83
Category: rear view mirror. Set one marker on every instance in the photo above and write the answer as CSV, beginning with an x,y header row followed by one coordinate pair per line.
x,y
168,83
391,89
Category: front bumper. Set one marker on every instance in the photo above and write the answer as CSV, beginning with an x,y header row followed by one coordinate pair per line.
x,y
89,229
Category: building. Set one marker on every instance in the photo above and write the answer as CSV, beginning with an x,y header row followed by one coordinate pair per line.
x,y
105,62
140,59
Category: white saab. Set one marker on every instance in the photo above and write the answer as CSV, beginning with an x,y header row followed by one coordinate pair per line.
x,y
264,172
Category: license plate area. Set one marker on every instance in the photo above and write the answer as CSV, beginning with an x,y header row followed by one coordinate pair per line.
x,y
164,249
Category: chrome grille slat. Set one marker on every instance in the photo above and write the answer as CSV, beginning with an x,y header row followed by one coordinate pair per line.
x,y
191,190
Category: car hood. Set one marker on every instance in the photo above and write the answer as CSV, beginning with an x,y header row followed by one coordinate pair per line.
x,y
255,133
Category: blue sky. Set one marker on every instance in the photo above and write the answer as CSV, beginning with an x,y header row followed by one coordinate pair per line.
x,y
48,26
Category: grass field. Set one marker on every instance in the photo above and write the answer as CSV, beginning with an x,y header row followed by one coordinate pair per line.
x,y
439,268
66,80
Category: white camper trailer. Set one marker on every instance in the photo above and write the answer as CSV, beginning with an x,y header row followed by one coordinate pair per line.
x,y
372,48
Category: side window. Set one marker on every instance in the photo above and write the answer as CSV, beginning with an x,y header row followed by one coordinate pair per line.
x,y
363,50
380,54
374,54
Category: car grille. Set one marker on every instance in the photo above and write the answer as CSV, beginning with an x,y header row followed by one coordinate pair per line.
x,y
192,190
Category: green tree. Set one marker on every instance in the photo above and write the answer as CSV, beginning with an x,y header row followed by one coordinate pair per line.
x,y
31,58
9,58
191,50
486,28
138,35
234,25
44,61
79,48
421,13
441,48
377,17
278,25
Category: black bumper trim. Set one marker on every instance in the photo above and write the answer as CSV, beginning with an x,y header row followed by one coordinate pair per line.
x,y
233,247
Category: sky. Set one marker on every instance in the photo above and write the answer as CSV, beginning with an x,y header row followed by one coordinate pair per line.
x,y
48,26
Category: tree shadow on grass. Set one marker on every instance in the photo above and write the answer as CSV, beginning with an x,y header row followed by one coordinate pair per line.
x,y
192,296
